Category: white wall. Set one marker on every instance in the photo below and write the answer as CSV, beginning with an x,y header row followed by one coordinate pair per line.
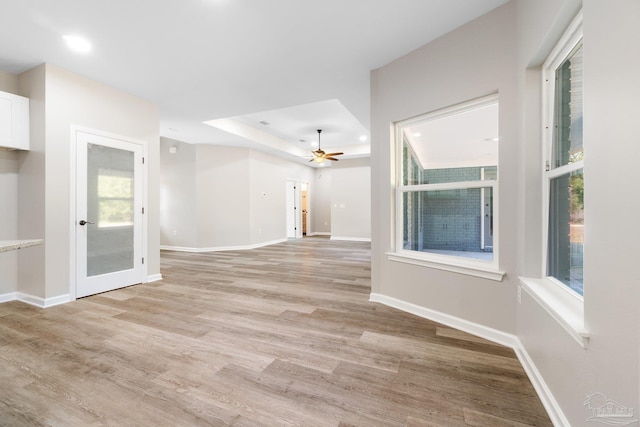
x,y
504,51
222,202
178,223
351,199
60,99
269,175
321,198
612,286
220,197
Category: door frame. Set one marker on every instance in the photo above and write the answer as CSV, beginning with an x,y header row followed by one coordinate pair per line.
x,y
73,194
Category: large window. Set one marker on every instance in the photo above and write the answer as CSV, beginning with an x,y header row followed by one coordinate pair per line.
x,y
447,177
564,162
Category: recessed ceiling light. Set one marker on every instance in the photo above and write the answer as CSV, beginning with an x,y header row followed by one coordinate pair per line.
x,y
417,134
363,138
77,43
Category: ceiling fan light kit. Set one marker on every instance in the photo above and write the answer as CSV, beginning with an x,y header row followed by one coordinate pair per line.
x,y
319,156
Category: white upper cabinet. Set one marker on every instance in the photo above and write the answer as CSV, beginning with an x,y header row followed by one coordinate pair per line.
x,y
14,121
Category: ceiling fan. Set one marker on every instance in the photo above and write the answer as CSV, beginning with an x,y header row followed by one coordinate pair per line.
x,y
319,156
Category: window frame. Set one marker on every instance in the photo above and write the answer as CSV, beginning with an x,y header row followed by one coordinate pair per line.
x,y
570,40
562,304
458,264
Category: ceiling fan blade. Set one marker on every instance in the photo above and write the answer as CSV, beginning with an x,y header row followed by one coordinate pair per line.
x,y
333,154
331,158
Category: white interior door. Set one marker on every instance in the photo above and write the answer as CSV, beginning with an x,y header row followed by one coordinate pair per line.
x,y
109,223
292,223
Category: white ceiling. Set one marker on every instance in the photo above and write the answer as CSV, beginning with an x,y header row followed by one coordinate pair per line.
x,y
299,65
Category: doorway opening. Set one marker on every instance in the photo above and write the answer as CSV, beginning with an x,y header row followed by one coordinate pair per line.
x,y
306,205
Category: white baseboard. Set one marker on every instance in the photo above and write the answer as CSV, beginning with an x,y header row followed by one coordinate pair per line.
x,y
154,278
544,393
319,233
12,296
36,301
220,248
509,340
352,239
43,302
476,329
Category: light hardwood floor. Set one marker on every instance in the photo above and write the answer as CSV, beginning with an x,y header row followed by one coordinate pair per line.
x,y
282,335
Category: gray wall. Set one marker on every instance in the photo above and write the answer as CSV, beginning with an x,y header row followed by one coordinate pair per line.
x,y
8,220
351,199
475,60
503,51
32,187
8,202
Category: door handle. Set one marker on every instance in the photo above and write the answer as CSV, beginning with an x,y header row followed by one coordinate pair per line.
x,y
83,222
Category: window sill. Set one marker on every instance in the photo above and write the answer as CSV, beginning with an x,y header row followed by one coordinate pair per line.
x,y
469,268
564,308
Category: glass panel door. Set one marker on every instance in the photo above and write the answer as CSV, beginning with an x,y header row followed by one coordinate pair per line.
x,y
109,215
110,204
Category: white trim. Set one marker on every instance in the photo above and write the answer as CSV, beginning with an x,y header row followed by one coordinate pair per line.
x,y
473,328
562,49
73,173
565,45
12,296
461,107
320,233
482,269
44,302
549,402
449,186
220,248
564,170
509,340
561,304
154,278
352,239
36,301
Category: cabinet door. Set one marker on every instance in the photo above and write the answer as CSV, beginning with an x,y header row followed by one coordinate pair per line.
x,y
14,121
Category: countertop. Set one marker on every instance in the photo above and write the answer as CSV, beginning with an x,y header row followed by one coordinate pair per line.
x,y
12,245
